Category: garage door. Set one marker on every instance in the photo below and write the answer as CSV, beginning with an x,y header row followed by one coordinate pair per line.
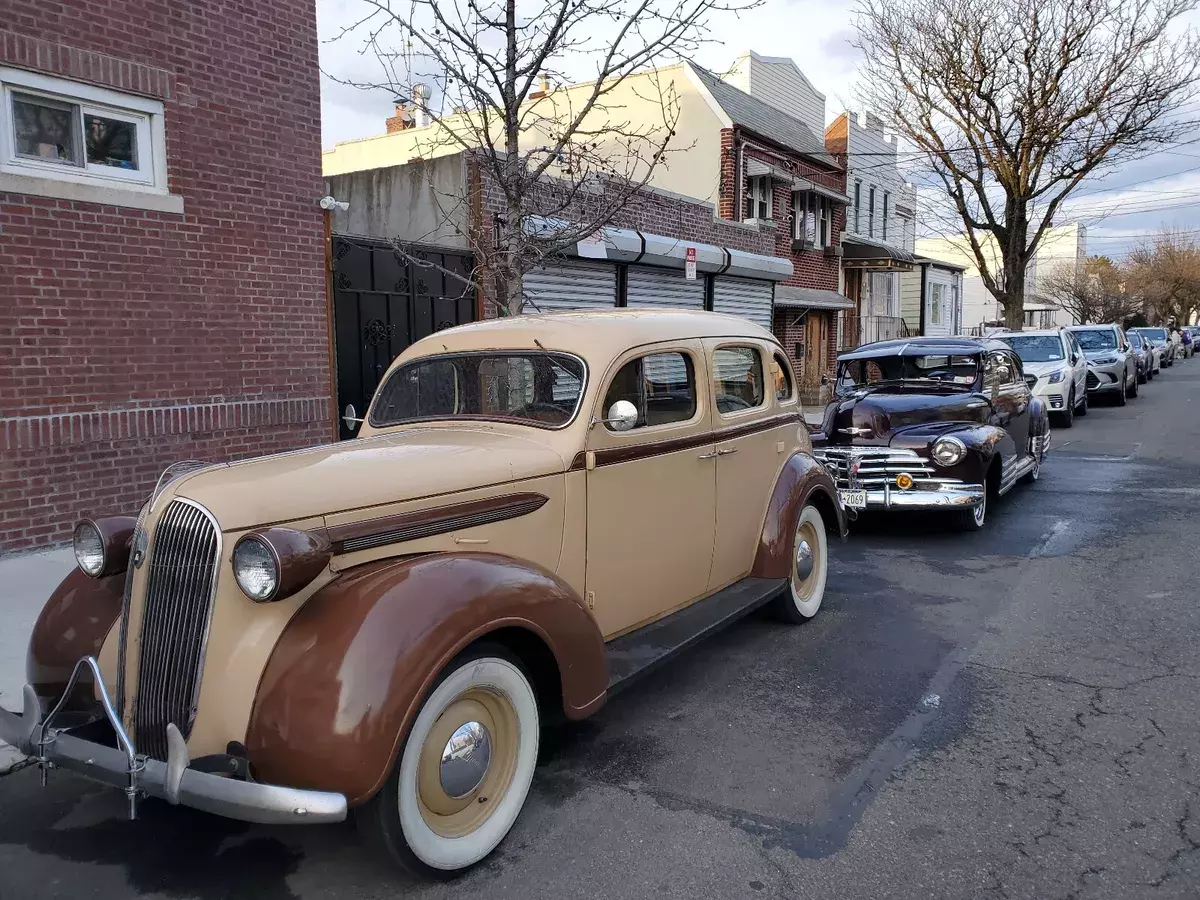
x,y
664,287
570,285
749,298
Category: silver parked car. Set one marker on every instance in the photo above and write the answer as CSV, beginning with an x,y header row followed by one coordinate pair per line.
x,y
1145,356
1055,370
1160,340
1112,366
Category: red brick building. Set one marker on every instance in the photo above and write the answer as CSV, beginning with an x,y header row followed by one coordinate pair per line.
x,y
162,244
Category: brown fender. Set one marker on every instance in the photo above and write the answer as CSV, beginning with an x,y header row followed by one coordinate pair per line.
x,y
802,480
73,624
349,672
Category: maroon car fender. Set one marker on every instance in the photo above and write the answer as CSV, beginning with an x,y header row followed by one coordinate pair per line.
x,y
73,624
802,481
349,673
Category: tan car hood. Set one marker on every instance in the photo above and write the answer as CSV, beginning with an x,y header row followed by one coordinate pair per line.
x,y
403,465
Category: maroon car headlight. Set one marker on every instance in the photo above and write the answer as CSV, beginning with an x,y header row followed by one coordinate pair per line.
x,y
275,563
948,451
102,545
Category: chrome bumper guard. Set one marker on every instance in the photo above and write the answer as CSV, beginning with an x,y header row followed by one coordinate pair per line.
x,y
948,496
172,780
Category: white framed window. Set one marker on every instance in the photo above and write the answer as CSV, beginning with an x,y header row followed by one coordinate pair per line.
x,y
60,130
886,203
812,218
857,203
935,304
758,197
871,212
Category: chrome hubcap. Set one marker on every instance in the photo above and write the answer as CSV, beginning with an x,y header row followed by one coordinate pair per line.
x,y
465,759
804,560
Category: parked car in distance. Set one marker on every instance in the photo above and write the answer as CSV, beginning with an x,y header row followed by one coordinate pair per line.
x,y
1112,366
932,423
537,510
1055,370
1160,340
1145,356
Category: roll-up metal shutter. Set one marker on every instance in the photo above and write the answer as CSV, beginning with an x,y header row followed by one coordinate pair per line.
x,y
566,285
749,298
664,287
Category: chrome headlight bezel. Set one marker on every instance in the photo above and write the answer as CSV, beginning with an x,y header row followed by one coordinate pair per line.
x,y
254,557
88,544
952,451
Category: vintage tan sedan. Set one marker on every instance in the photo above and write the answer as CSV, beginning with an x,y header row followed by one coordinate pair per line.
x,y
536,511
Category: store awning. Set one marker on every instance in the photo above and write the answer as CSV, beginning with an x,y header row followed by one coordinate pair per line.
x,y
792,297
859,254
628,245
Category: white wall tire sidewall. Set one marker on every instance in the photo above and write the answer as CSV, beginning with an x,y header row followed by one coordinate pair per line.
x,y
450,854
808,608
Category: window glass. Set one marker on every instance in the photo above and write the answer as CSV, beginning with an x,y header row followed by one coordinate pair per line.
x,y
926,371
110,141
662,386
45,129
1036,347
935,304
536,388
783,378
1100,339
738,378
758,197
999,367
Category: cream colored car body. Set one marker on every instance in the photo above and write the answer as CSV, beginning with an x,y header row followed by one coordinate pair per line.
x,y
638,539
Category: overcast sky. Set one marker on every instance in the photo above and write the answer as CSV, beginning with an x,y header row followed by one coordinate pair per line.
x,y
1119,210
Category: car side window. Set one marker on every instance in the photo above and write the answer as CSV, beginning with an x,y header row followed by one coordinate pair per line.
x,y
738,379
999,367
662,386
784,391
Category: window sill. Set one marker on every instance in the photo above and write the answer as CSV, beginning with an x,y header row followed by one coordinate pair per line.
x,y
90,193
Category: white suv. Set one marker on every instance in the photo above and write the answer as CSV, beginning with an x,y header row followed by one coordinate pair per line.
x,y
1055,369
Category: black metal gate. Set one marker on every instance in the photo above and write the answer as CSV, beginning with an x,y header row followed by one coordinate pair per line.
x,y
384,300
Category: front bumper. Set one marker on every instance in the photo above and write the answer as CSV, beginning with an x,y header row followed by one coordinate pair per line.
x,y
1107,378
172,780
948,496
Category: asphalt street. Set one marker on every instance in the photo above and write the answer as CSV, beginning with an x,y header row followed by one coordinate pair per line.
x,y
1008,714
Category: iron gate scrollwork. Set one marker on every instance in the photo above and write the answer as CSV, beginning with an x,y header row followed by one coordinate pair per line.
x,y
383,301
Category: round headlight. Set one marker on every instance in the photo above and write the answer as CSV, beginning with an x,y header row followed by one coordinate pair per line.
x,y
948,451
256,569
89,549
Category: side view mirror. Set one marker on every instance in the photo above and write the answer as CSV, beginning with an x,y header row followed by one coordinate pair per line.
x,y
348,416
622,416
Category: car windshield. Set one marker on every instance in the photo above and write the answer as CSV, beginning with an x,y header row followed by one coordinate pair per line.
x,y
1154,334
541,389
1100,339
1135,339
1035,348
928,371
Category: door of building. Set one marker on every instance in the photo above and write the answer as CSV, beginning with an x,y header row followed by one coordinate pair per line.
x,y
816,355
384,300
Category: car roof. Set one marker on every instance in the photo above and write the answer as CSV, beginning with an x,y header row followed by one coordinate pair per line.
x,y
921,346
1036,332
594,335
1100,327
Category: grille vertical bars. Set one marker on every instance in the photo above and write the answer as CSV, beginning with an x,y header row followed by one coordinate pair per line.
x,y
180,589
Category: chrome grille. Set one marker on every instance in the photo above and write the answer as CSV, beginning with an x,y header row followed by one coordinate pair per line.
x,y
180,585
876,465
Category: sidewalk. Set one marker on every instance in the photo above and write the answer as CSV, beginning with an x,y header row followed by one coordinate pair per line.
x,y
25,583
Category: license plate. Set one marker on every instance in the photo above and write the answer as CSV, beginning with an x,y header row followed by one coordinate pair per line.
x,y
853,499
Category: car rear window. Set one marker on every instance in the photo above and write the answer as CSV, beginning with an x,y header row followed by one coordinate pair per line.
x,y
541,389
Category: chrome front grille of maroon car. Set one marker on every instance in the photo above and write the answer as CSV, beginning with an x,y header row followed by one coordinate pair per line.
x,y
180,587
876,465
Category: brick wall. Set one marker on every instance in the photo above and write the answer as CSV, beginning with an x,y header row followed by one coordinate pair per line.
x,y
131,338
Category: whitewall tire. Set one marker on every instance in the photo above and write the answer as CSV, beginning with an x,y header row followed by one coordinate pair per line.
x,y
464,770
809,568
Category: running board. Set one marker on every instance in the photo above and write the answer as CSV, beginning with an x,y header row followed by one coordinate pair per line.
x,y
641,652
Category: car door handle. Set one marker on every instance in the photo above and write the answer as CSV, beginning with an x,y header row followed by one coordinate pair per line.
x,y
711,455
726,452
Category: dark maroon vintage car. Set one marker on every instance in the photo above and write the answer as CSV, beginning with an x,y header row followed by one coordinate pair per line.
x,y
931,423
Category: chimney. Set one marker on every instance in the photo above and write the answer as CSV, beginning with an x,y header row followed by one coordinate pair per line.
x,y
543,89
402,120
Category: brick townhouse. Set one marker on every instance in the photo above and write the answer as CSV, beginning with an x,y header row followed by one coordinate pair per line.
x,y
163,288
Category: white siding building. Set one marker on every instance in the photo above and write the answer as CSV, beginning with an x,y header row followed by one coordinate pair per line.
x,y
878,240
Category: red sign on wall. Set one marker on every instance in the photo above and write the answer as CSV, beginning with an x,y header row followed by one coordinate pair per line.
x,y
690,264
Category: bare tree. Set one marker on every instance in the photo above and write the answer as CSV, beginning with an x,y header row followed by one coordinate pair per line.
x,y
486,76
1012,103
1167,274
1095,292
